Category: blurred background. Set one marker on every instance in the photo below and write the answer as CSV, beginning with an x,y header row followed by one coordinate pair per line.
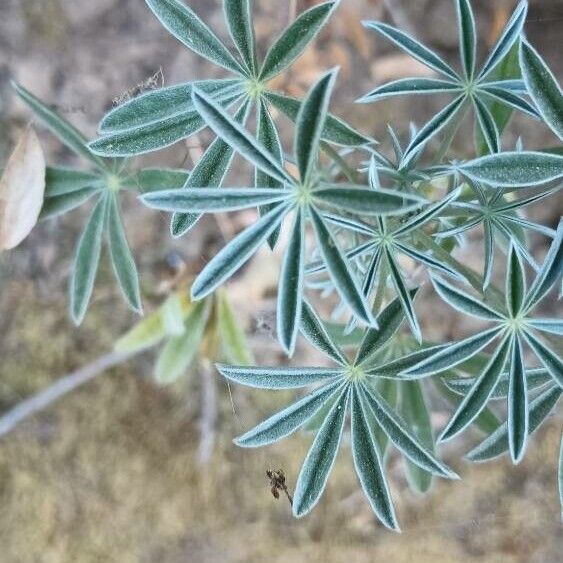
x,y
114,471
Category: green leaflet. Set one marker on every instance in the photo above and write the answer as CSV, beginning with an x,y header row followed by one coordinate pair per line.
x,y
62,181
335,130
277,378
542,87
401,436
287,421
86,261
237,252
486,422
182,22
234,134
369,466
497,443
453,354
295,39
388,322
310,123
339,270
410,86
549,273
478,396
233,339
467,38
518,416
61,128
209,172
560,476
319,461
413,47
514,169
165,103
60,204
207,200
179,352
238,14
464,302
414,411
515,283
121,258
488,126
433,127
356,199
548,357
267,134
315,331
290,290
403,293
535,378
506,40
150,137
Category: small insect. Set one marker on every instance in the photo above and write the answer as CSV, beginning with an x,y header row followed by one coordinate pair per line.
x,y
277,484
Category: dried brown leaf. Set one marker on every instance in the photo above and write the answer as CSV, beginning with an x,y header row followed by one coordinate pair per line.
x,y
22,188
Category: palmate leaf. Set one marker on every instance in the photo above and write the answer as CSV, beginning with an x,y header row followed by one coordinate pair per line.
x,y
310,124
497,443
87,258
295,39
182,22
121,258
290,291
542,87
320,458
368,464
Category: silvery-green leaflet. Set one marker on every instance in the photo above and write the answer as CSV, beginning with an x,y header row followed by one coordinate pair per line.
x,y
363,227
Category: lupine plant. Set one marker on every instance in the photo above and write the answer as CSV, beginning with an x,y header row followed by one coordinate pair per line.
x,y
364,230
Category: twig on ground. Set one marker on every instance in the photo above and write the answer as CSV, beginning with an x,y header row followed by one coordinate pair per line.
x,y
59,389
